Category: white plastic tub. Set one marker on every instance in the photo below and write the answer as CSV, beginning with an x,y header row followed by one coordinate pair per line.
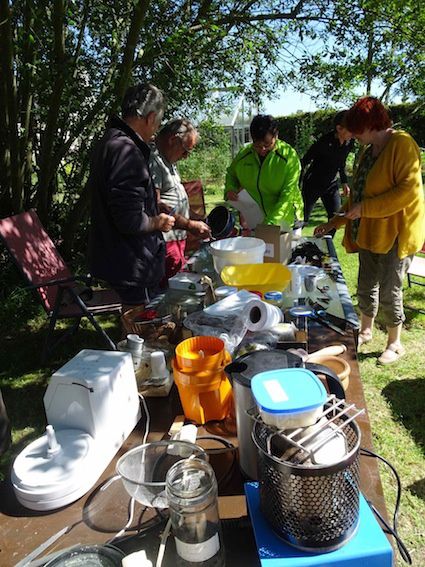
x,y
238,250
288,398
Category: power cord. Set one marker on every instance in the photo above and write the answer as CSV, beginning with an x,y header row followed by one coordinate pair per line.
x,y
228,448
391,529
132,503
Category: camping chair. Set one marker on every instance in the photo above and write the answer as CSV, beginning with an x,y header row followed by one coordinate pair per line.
x,y
198,211
62,294
417,268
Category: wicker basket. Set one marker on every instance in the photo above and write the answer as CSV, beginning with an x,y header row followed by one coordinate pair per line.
x,y
160,328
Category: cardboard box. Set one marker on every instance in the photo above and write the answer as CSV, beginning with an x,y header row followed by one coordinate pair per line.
x,y
278,243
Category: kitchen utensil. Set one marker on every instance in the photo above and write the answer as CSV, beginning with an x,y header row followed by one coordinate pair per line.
x,y
204,389
317,315
340,366
241,372
90,555
288,398
258,277
236,251
191,489
312,506
92,405
221,222
143,469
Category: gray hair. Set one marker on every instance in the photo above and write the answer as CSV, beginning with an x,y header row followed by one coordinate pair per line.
x,y
178,127
142,99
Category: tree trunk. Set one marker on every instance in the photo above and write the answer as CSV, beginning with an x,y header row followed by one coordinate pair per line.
x,y
369,62
126,66
10,118
44,192
26,98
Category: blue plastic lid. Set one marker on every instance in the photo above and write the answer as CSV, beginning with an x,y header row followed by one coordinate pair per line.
x,y
273,295
289,390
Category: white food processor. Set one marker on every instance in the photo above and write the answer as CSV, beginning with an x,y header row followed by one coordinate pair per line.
x,y
91,405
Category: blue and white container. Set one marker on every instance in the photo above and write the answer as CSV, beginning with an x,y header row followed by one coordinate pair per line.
x,y
289,398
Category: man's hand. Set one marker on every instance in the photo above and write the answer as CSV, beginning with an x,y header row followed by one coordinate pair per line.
x,y
355,212
163,222
199,228
345,189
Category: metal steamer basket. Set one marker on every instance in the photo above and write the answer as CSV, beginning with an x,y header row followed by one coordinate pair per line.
x,y
309,478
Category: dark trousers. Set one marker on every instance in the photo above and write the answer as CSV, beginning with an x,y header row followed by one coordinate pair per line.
x,y
330,197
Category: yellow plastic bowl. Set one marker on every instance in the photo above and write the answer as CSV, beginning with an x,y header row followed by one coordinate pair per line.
x,y
257,277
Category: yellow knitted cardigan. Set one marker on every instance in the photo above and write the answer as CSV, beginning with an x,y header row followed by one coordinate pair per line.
x,y
392,203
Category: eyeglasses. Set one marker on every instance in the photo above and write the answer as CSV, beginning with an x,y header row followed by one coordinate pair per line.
x,y
186,151
260,146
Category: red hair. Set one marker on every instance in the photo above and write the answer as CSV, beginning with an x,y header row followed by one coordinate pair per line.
x,y
368,113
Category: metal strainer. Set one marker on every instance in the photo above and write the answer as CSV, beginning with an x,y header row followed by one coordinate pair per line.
x,y
144,468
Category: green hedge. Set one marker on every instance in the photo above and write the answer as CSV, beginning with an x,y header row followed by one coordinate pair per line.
x,y
300,130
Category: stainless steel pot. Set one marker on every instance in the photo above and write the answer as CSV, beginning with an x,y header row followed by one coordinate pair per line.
x,y
240,373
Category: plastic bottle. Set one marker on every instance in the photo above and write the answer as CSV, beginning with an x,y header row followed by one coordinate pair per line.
x,y
296,284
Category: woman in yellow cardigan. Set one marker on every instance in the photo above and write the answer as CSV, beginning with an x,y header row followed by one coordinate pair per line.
x,y
384,218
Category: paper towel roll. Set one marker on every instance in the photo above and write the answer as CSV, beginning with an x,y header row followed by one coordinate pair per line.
x,y
262,316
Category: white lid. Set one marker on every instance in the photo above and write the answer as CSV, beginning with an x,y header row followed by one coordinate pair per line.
x,y
36,474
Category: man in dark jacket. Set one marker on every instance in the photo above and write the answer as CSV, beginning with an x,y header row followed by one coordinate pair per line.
x,y
126,246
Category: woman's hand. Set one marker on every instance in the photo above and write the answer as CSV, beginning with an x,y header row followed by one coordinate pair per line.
x,y
323,229
345,189
355,212
232,196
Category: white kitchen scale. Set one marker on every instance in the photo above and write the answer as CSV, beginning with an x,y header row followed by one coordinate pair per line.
x,y
91,405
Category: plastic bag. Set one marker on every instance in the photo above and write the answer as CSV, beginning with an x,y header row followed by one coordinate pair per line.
x,y
231,330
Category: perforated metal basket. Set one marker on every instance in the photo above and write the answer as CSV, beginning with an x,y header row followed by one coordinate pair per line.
x,y
314,507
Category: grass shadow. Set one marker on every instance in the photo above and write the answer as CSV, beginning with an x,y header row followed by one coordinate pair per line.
x,y
362,356
418,488
406,398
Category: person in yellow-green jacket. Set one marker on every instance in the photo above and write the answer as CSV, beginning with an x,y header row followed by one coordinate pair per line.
x,y
269,170
384,219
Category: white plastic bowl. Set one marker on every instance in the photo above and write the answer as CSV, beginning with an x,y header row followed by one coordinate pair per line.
x,y
238,250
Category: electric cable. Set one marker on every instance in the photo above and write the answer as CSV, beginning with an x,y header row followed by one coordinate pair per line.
x,y
228,448
392,530
148,418
132,502
163,543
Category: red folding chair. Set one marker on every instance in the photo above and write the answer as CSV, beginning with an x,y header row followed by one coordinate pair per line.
x,y
198,211
62,294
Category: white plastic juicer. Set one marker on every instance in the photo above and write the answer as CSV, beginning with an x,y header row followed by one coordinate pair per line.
x,y
91,405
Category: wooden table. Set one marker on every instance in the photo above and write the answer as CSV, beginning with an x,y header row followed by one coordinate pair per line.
x,y
98,516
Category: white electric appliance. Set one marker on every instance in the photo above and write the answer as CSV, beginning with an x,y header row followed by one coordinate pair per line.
x,y
92,405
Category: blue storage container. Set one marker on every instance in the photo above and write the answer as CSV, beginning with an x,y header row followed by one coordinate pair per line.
x,y
288,398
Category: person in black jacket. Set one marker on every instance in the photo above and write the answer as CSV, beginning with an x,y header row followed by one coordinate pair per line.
x,y
320,166
126,246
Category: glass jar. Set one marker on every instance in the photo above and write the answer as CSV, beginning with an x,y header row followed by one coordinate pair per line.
x,y
191,489
274,298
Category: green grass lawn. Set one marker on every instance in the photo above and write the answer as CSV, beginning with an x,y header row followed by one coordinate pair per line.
x,y
395,395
